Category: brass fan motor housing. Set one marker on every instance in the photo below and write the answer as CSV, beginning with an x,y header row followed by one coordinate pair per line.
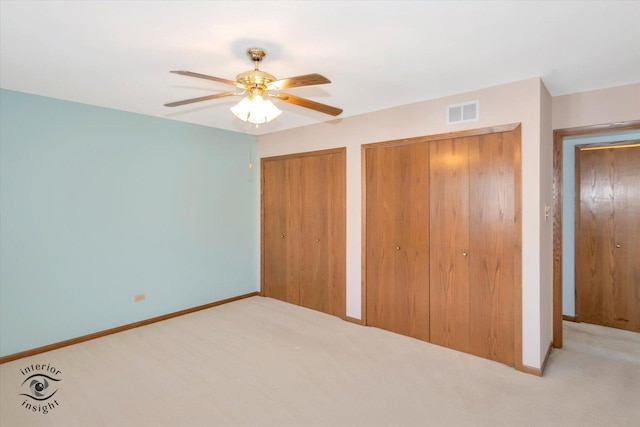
x,y
255,79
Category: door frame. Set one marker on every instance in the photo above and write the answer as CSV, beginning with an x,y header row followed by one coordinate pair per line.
x,y
558,143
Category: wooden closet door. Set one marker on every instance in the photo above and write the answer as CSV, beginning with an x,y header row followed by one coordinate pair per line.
x,y
449,231
281,224
303,235
397,239
380,238
608,237
322,279
336,240
491,246
473,245
274,246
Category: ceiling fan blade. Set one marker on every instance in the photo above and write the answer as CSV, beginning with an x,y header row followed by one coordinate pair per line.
x,y
307,103
298,81
202,98
204,76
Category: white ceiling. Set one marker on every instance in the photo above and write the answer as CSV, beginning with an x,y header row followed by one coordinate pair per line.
x,y
378,54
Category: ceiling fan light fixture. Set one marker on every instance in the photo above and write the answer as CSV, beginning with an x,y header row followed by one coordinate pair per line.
x,y
256,110
254,85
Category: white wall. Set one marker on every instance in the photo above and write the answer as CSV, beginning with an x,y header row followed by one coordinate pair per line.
x,y
616,104
546,228
518,102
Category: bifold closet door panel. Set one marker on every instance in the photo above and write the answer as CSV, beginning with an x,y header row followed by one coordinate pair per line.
x,y
281,233
274,229
412,239
337,235
449,232
397,239
293,202
380,238
323,234
491,250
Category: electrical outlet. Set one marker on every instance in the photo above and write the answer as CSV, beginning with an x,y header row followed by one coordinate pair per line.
x,y
139,297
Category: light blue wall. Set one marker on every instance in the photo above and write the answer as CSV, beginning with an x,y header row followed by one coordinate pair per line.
x,y
97,205
569,208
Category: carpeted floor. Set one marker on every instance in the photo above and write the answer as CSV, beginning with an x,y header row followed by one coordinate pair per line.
x,y
261,362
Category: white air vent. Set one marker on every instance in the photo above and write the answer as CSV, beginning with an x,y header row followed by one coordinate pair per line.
x,y
467,112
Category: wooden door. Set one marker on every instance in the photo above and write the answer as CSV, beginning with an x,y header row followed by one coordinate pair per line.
x,y
473,244
492,246
303,230
322,281
397,236
608,236
336,235
449,225
281,229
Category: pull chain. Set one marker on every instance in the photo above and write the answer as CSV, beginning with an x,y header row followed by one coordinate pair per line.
x,y
250,153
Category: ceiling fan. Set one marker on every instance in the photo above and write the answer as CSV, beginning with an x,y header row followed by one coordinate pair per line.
x,y
259,87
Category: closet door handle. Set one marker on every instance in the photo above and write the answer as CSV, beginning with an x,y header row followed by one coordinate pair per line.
x,y
282,236
397,248
618,245
464,254
317,239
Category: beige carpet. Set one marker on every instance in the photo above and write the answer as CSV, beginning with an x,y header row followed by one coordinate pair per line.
x,y
261,362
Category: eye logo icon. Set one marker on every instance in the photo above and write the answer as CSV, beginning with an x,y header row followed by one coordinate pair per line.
x,y
39,387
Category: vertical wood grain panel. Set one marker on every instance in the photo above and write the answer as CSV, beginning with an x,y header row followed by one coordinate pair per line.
x,y
491,230
449,231
292,213
397,238
314,281
594,251
626,286
322,286
337,235
274,231
379,235
607,235
412,236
